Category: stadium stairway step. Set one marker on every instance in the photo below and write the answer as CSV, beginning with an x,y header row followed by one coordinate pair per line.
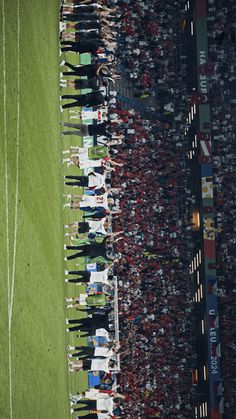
x,y
125,93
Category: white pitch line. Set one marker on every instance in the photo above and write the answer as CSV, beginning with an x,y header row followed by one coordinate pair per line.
x,y
10,286
17,161
5,142
16,208
6,199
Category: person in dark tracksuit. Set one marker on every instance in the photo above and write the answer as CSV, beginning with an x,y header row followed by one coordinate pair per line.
x,y
93,250
91,45
90,324
88,70
89,99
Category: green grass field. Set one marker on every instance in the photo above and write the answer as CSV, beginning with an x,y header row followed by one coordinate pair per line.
x,y
34,382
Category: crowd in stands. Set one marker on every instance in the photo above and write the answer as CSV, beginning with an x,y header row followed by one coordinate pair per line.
x,y
153,248
221,33
148,44
153,262
149,56
135,186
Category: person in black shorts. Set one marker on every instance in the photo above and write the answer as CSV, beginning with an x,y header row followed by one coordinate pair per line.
x,y
81,47
86,25
83,8
80,84
92,250
81,36
80,181
80,16
89,70
89,8
87,129
89,99
90,324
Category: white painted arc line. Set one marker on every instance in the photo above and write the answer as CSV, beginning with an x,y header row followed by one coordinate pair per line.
x,y
17,160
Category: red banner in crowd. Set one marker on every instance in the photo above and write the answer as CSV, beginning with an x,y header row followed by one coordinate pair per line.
x,y
201,9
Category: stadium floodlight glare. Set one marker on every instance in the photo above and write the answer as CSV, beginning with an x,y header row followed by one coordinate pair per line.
x,y
198,277
198,216
192,28
201,291
203,410
203,327
200,256
199,294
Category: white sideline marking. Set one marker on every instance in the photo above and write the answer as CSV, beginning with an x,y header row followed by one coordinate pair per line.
x,y
6,197
10,284
16,204
5,143
17,160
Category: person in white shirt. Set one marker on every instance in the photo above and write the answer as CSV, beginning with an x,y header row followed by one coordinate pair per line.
x,y
86,114
103,405
93,352
91,201
96,364
92,181
105,162
100,277
103,333
89,226
92,393
73,160
98,416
